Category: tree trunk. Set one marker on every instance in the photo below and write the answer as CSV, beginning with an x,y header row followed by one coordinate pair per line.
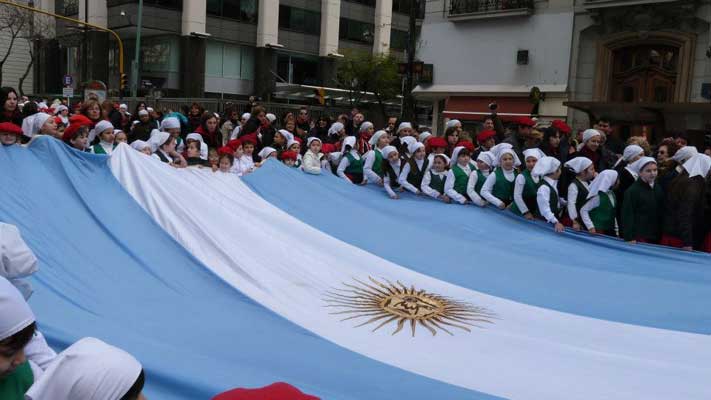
x,y
27,72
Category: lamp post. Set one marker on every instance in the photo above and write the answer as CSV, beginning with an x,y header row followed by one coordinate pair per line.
x,y
135,72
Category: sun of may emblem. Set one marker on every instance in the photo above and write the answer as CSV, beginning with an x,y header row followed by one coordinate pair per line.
x,y
388,303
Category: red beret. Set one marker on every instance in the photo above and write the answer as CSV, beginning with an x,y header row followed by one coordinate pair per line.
x,y
249,138
298,139
483,136
289,155
275,391
75,122
9,127
234,144
467,145
58,121
562,127
328,148
526,121
437,141
225,150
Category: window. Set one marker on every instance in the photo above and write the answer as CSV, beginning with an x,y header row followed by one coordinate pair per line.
x,y
160,54
173,4
356,31
398,39
403,7
369,3
226,60
298,69
299,20
240,10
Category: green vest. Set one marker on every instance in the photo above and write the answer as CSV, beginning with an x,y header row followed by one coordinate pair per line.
x,y
378,163
582,195
355,166
553,200
461,178
603,216
480,179
99,149
15,385
503,189
297,164
530,190
437,182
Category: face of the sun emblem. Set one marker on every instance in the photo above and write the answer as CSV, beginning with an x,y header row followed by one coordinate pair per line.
x,y
395,303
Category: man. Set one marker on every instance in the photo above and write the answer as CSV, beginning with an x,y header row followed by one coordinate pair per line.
x,y
353,128
613,141
303,122
392,123
524,126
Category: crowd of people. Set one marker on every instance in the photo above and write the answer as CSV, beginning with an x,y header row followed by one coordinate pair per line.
x,y
588,180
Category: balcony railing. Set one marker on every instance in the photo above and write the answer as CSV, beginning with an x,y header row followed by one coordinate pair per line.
x,y
477,9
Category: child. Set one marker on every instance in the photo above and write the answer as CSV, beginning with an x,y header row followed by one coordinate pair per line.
x,y
414,169
9,133
192,154
642,210
213,158
484,161
289,158
598,213
241,165
437,145
458,176
77,133
626,175
295,146
265,153
549,203
248,144
313,156
373,166
404,149
499,186
526,186
227,158
350,167
105,132
391,171
435,178
143,147
172,126
578,189
120,137
165,151
486,139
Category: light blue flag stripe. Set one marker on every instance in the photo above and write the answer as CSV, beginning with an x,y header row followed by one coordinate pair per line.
x,y
499,254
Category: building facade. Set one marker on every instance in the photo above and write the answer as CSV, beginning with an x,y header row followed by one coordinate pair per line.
x,y
643,63
228,48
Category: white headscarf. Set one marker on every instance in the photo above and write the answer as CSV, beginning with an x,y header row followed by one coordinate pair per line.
x,y
423,136
408,140
387,150
60,108
546,165
376,136
335,128
17,261
287,135
698,165
15,313
412,148
602,182
404,125
290,142
311,139
365,126
158,138
350,141
36,123
497,149
170,123
632,151
88,369
453,122
487,157
139,145
271,117
204,150
247,116
534,152
455,155
101,126
501,153
637,166
578,164
265,152
684,154
587,135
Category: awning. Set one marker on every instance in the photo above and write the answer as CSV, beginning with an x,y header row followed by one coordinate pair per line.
x,y
639,112
475,108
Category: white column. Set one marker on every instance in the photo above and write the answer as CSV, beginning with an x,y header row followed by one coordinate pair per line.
x,y
383,22
330,22
268,24
194,16
98,12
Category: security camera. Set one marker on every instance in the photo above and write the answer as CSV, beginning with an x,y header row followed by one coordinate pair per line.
x,y
203,35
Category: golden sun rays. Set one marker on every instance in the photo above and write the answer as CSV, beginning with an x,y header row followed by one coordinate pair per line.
x,y
388,303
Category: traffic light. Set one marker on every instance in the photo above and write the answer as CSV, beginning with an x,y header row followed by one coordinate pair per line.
x,y
124,81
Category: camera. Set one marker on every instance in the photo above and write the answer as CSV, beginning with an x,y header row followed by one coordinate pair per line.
x,y
493,106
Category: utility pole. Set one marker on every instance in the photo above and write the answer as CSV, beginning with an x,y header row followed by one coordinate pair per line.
x,y
135,71
408,104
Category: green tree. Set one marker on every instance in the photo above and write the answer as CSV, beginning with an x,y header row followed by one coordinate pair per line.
x,y
360,72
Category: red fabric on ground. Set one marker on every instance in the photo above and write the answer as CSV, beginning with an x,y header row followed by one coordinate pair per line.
x,y
275,391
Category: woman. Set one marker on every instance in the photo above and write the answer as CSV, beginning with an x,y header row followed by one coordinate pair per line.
x,y
209,130
195,117
592,148
10,110
451,135
141,105
642,209
550,145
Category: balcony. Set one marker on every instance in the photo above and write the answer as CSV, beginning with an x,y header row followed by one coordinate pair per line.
x,y
461,10
591,4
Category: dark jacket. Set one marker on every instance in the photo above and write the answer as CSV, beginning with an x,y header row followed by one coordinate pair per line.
x,y
642,212
116,119
684,217
142,131
626,180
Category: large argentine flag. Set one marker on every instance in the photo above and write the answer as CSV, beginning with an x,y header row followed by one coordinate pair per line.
x,y
431,324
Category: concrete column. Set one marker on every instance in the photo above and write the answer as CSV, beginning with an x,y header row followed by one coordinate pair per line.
x,y
268,23
194,16
330,22
97,43
435,117
383,24
97,12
